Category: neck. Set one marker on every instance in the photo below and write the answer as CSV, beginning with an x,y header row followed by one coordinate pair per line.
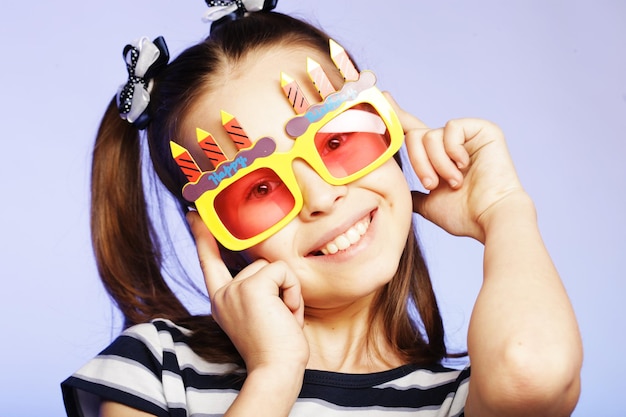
x,y
343,339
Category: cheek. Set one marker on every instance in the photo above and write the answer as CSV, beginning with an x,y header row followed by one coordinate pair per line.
x,y
398,196
392,184
405,200
279,246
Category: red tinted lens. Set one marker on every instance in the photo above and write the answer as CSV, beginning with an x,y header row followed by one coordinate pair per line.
x,y
352,140
254,203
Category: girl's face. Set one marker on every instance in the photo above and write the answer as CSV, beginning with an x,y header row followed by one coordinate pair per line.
x,y
347,241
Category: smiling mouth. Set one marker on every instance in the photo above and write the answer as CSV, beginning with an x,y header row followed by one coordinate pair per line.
x,y
346,239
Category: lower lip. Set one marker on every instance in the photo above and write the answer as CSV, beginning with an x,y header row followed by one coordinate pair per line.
x,y
352,250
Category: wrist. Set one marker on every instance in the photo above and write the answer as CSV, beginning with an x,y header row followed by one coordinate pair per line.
x,y
507,214
271,388
280,380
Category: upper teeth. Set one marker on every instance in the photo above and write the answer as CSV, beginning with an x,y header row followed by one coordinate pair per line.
x,y
349,237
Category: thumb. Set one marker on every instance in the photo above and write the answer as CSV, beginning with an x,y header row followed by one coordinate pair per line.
x,y
215,272
204,240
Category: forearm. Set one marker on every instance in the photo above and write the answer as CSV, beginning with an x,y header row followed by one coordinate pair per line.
x,y
523,339
268,392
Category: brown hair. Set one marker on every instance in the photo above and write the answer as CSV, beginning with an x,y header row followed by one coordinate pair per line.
x,y
127,248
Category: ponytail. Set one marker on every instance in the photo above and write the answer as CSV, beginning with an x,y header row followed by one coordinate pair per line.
x,y
126,248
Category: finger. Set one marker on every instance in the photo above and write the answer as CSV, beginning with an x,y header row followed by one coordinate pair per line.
x,y
251,269
414,130
287,285
215,272
292,297
435,145
419,158
454,139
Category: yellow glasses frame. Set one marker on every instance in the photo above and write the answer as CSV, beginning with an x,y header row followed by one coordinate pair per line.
x,y
281,164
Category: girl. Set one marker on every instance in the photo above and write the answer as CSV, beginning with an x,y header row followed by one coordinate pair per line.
x,y
320,299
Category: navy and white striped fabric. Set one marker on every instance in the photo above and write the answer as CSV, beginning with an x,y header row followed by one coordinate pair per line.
x,y
150,367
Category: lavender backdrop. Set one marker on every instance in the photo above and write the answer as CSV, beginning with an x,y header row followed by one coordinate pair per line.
x,y
551,73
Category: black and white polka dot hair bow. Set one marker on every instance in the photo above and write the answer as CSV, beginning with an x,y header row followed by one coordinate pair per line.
x,y
144,59
219,9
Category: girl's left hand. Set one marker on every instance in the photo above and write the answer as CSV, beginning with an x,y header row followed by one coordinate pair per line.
x,y
466,168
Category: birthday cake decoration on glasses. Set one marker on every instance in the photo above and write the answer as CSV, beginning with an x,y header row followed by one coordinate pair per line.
x,y
252,191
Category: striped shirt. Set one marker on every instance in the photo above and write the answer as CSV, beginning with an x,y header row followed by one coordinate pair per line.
x,y
150,367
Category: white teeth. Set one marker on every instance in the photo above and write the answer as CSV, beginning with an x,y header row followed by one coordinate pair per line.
x,y
330,248
346,239
342,242
353,236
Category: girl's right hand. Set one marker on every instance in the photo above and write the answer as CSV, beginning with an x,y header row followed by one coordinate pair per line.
x,y
261,309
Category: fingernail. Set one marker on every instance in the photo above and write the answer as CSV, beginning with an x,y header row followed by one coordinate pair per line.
x,y
427,182
453,183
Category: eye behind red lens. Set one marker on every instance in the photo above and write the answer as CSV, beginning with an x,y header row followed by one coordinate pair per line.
x,y
352,140
254,203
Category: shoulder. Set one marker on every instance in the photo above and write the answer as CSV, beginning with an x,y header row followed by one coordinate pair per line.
x,y
145,367
157,336
157,332
140,347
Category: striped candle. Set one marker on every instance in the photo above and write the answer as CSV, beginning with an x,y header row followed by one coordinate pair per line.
x,y
294,94
185,161
235,131
319,78
211,148
343,62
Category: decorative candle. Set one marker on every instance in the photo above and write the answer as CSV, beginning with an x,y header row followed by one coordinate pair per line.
x,y
235,131
211,148
319,78
294,94
343,62
185,162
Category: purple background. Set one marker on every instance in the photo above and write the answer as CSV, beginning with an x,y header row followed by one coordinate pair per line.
x,y
552,74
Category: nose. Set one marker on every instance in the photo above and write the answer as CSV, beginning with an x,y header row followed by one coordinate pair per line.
x,y
319,197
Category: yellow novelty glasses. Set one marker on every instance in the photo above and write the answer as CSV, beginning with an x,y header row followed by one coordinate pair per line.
x,y
247,199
